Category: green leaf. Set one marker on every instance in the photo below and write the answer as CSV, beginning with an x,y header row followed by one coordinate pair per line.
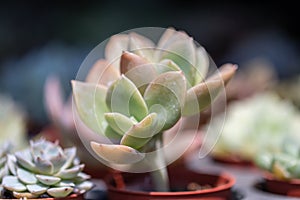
x,y
202,95
123,97
13,184
71,172
48,180
141,45
166,65
117,154
37,189
142,132
168,92
90,104
140,71
181,49
26,176
118,122
43,166
59,192
202,65
114,48
102,73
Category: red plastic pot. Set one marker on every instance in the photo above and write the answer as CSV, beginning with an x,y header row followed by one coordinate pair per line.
x,y
179,178
284,187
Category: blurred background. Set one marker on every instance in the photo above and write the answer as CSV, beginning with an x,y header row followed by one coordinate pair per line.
x,y
43,38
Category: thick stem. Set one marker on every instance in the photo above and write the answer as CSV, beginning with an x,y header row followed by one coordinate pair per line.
x,y
160,176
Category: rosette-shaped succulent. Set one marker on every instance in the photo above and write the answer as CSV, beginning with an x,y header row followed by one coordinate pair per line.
x,y
283,165
45,170
141,89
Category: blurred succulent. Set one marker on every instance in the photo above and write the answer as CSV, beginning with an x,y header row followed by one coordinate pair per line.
x,y
289,89
283,165
12,123
258,123
4,150
133,97
45,169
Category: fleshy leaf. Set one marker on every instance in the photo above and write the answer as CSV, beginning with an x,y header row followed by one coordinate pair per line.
x,y
24,195
264,161
90,104
26,176
71,172
167,90
295,170
102,73
141,45
112,134
181,50
43,166
25,160
37,189
13,184
135,67
70,154
123,97
117,154
202,95
81,177
48,180
166,65
202,65
59,192
280,172
65,183
11,163
142,132
225,73
114,48
118,122
85,186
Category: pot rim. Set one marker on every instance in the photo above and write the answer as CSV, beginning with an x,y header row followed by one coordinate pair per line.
x,y
231,181
270,177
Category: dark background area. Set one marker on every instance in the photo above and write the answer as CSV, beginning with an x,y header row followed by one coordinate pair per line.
x,y
53,37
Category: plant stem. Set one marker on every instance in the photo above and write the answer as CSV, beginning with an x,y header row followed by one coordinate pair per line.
x,y
160,176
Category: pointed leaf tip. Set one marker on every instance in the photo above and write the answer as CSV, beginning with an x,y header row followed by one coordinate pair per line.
x,y
117,154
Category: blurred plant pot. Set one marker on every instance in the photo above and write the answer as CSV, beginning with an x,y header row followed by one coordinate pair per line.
x,y
138,186
284,187
71,197
232,160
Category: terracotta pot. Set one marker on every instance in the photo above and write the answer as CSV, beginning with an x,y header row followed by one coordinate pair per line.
x,y
71,197
289,187
179,179
233,160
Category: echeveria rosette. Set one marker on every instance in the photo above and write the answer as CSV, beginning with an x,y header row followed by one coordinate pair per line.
x,y
45,169
141,89
257,124
283,165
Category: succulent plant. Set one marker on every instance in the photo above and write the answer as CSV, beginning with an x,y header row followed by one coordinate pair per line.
x,y
141,89
45,169
12,123
283,165
4,150
252,122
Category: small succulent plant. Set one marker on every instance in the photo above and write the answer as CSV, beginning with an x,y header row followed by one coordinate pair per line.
x,y
251,123
283,165
45,170
141,90
4,151
12,123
